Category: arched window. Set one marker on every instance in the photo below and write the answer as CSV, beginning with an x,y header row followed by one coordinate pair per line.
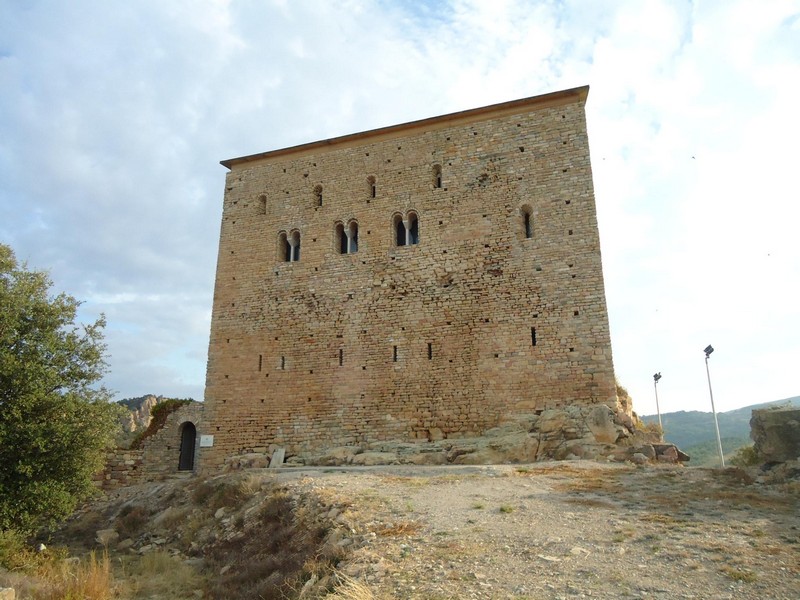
x,y
413,228
527,221
284,249
294,242
437,176
261,205
318,195
406,231
372,186
346,238
352,237
399,230
341,239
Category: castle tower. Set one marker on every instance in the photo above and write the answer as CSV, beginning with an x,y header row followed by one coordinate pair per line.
x,y
422,280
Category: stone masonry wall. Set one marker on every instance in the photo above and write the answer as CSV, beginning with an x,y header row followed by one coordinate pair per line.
x,y
448,337
123,468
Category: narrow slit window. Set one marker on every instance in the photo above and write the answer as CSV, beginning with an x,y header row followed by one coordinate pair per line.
x,y
394,353
533,336
437,176
430,351
283,363
341,357
318,195
262,204
527,222
260,361
372,186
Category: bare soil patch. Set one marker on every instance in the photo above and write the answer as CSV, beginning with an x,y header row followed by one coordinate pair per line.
x,y
574,530
561,530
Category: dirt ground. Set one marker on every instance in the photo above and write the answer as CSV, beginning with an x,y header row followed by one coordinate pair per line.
x,y
556,530
570,530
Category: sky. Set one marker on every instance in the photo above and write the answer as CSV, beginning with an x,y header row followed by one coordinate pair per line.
x,y
114,116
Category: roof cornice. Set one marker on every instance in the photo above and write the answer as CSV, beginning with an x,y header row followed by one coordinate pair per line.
x,y
560,98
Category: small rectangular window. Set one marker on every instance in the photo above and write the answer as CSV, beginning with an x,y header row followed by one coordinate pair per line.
x,y
430,351
533,336
283,362
260,360
341,357
394,353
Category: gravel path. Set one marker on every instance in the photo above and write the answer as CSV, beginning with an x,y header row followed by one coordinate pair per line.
x,y
569,530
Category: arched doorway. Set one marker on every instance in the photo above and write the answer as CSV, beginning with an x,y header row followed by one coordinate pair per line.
x,y
188,436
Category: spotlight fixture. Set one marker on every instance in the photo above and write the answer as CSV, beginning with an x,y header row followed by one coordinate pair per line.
x,y
708,350
656,377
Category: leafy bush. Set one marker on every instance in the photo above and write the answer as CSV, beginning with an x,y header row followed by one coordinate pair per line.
x,y
746,456
55,423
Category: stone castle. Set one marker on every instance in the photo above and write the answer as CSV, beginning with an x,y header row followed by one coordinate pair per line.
x,y
419,282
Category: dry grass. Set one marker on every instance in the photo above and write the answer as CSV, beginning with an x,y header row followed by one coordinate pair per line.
x,y
88,579
593,502
584,481
251,484
48,575
412,482
400,528
348,588
85,580
742,575
159,575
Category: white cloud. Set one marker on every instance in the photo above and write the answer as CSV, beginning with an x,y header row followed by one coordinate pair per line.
x,y
111,129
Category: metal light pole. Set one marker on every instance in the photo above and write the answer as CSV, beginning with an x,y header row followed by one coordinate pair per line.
x,y
708,350
656,377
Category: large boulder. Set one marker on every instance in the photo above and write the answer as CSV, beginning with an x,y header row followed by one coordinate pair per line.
x,y
776,433
601,423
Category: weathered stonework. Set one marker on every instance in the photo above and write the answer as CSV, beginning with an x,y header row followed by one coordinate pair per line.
x,y
321,340
159,455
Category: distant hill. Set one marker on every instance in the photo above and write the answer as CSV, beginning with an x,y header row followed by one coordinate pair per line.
x,y
693,431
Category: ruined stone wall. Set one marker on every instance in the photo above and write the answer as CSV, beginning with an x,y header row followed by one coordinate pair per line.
x,y
123,467
159,454
483,318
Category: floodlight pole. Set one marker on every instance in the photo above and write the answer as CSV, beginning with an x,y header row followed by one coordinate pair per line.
x,y
656,377
708,350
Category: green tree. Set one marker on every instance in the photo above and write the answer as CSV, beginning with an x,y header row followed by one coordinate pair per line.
x,y
55,422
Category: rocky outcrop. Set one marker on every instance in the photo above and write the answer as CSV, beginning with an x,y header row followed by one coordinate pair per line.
x,y
569,433
776,434
138,416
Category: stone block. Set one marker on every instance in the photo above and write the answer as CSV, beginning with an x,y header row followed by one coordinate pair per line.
x,y
367,459
776,433
277,458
